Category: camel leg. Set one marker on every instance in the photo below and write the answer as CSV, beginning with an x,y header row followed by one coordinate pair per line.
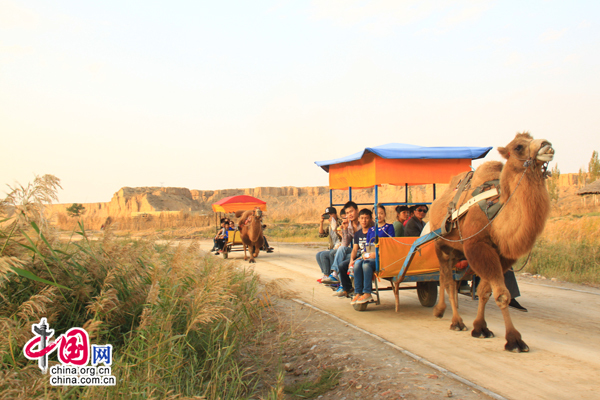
x,y
457,322
256,250
487,264
251,251
245,256
480,329
396,289
440,307
514,342
258,245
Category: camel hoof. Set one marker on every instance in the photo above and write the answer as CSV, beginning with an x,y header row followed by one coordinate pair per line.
x,y
252,261
458,327
438,314
482,333
518,346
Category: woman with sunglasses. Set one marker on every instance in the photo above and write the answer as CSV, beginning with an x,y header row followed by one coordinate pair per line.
x,y
415,225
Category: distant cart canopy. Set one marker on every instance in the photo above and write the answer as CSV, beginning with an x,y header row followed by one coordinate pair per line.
x,y
236,203
400,164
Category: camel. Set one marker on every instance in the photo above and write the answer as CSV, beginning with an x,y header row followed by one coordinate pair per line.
x,y
250,226
492,247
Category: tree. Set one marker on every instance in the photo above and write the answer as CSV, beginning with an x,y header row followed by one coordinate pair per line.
x,y
553,189
581,178
76,210
594,167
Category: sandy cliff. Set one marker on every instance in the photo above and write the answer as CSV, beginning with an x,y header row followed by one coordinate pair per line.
x,y
298,204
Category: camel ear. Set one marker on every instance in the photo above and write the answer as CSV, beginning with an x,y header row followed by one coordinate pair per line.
x,y
504,152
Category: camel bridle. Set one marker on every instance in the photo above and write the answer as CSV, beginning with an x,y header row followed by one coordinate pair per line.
x,y
527,162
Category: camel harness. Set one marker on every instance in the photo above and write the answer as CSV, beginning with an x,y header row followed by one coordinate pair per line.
x,y
487,196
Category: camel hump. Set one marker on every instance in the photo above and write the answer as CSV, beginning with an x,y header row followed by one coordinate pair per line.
x,y
486,172
239,213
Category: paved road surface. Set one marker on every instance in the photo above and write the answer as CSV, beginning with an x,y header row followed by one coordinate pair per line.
x,y
562,329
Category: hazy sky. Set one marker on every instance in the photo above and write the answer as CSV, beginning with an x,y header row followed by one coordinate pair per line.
x,y
224,94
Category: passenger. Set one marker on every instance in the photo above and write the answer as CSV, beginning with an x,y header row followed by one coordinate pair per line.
x,y
266,246
415,225
342,257
325,258
411,213
223,237
342,250
219,235
401,218
385,229
358,249
365,265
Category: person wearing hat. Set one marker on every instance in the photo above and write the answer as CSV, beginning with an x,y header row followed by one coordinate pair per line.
x,y
325,258
415,225
401,217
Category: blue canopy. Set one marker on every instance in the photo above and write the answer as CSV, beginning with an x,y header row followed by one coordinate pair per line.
x,y
409,151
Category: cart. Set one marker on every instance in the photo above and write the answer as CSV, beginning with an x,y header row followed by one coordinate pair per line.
x,y
232,204
403,259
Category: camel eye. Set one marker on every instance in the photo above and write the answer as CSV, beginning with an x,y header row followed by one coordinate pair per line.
x,y
519,148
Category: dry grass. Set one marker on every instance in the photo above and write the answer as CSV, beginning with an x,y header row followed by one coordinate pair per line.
x,y
176,317
569,250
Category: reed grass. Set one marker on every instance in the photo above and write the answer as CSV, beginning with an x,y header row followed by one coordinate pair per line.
x,y
177,318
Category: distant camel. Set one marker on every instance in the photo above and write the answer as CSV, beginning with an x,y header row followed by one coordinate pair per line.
x,y
250,226
491,247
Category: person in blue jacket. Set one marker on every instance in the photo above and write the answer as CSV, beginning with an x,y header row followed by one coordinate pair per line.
x,y
365,265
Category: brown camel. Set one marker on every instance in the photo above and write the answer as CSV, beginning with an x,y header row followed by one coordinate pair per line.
x,y
491,247
250,226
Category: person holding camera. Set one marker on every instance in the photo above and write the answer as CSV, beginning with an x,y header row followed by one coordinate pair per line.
x,y
325,258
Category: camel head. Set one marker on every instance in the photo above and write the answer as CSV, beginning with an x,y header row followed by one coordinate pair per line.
x,y
524,151
258,214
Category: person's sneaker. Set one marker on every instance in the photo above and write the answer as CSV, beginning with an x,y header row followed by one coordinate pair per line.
x,y
343,293
515,304
355,298
365,298
338,291
330,279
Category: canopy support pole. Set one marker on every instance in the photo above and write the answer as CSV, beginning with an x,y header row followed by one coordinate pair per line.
x,y
376,243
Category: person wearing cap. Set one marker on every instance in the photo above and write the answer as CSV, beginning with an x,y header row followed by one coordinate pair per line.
x,y
325,258
401,217
415,225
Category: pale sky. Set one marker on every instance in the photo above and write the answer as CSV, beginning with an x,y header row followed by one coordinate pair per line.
x,y
234,94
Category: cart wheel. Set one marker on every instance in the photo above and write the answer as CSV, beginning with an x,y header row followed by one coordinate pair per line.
x,y
427,292
360,307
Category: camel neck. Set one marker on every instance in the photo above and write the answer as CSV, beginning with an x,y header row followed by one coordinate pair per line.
x,y
523,216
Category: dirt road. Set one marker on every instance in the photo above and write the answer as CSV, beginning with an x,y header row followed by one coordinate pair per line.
x,y
562,329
